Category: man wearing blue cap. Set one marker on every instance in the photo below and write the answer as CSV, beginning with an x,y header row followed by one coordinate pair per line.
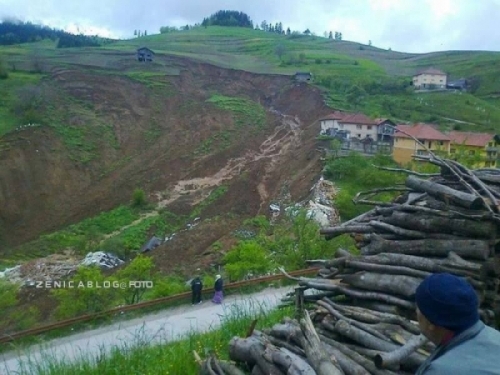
x,y
448,315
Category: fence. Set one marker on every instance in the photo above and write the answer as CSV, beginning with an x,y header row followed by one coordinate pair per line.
x,y
165,300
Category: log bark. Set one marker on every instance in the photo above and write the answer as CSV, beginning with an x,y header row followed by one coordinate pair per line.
x,y
290,362
421,263
361,325
240,349
392,284
373,317
469,249
445,193
386,269
349,366
389,359
315,352
267,367
371,342
435,224
340,230
356,357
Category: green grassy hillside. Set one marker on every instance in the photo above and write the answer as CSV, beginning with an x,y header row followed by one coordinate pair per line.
x,y
356,77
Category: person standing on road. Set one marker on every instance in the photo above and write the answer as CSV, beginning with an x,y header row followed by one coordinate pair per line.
x,y
219,284
448,315
196,288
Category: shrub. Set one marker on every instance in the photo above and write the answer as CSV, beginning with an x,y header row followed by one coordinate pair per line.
x,y
139,198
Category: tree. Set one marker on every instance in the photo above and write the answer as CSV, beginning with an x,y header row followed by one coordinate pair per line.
x,y
4,74
264,26
288,32
330,36
307,32
369,42
140,269
145,33
246,257
280,50
135,32
230,18
85,296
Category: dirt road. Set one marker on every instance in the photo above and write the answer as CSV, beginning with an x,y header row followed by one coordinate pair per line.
x,y
164,326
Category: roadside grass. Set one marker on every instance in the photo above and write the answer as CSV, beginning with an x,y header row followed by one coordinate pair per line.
x,y
162,355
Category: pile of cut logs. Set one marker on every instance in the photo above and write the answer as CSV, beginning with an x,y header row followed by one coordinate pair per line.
x,y
363,320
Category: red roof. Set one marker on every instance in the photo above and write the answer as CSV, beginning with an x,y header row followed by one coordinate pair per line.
x,y
420,131
431,71
358,118
337,115
470,138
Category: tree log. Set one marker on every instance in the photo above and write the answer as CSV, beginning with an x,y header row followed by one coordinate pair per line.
x,y
371,342
397,230
386,269
361,325
388,359
348,365
373,317
435,224
391,284
267,367
356,357
472,249
286,345
445,193
421,263
240,349
340,230
375,305
318,358
290,362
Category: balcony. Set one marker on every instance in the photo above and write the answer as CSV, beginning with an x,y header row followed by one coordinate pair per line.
x,y
492,149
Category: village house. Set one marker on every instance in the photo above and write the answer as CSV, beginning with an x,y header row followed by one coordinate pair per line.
x,y
385,130
483,147
331,121
303,76
145,54
405,147
430,79
359,126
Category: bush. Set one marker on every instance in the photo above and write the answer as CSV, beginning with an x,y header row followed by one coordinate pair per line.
x,y
139,198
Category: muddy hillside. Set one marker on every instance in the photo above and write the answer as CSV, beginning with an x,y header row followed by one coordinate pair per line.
x,y
176,136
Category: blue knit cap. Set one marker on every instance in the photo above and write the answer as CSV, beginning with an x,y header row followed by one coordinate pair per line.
x,y
448,301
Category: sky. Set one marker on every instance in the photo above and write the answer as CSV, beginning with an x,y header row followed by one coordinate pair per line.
x,y
416,26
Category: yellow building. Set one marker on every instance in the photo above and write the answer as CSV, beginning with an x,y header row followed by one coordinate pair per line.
x,y
405,147
430,79
480,148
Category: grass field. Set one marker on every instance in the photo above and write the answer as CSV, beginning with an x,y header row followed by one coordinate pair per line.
x,y
337,65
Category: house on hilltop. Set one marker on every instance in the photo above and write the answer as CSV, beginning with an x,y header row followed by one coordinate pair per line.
x,y
145,54
303,76
483,147
405,147
429,79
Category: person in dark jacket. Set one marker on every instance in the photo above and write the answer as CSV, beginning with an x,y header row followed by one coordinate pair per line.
x,y
196,288
448,315
218,286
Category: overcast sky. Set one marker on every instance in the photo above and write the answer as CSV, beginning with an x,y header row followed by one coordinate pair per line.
x,y
403,25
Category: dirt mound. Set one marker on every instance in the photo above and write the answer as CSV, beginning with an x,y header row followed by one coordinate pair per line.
x,y
159,133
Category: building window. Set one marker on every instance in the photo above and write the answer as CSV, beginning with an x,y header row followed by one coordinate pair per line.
x,y
421,152
430,144
441,143
358,126
452,150
341,126
359,135
369,127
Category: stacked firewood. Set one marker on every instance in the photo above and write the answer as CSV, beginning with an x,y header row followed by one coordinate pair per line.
x,y
363,318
